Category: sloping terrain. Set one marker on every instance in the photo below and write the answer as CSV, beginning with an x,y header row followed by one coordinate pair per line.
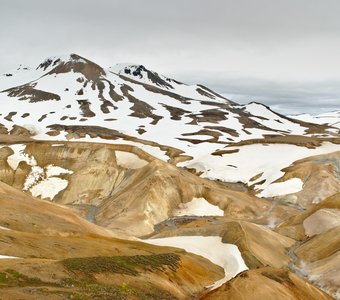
x,y
307,222
121,183
329,118
264,283
319,176
137,102
121,187
318,245
258,245
58,253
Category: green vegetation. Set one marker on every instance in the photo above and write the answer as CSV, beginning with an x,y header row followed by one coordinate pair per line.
x,y
128,265
13,278
83,285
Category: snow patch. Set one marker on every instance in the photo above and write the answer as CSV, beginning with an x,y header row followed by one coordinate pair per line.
x,y
36,175
18,156
226,256
4,228
43,183
6,257
198,207
49,188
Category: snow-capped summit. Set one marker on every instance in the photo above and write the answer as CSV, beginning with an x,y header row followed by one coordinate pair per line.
x,y
72,63
54,61
141,73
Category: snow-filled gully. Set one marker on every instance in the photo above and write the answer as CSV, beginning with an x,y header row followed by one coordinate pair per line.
x,y
226,256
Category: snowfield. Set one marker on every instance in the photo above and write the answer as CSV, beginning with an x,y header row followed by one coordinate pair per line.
x,y
330,118
251,160
168,112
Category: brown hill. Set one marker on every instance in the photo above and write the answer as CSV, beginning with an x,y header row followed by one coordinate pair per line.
x,y
267,283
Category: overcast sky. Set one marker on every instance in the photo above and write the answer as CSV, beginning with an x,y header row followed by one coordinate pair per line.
x,y
284,53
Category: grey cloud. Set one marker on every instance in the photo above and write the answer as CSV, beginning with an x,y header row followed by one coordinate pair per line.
x,y
284,97
215,42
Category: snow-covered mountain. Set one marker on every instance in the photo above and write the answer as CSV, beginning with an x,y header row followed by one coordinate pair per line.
x,y
73,91
71,97
330,118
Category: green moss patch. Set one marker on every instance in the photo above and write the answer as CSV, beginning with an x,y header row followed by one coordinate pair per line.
x,y
129,265
13,278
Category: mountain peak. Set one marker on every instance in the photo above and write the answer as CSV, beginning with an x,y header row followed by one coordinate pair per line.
x,y
71,62
54,61
141,73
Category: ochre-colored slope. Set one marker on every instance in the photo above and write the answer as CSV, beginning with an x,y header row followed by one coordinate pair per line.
x,y
267,283
43,235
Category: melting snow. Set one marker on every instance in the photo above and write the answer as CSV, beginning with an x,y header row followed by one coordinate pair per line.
x,y
39,182
198,207
43,183
36,175
49,188
18,156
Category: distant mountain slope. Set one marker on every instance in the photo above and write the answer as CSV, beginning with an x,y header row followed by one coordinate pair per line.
x,y
71,97
329,118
